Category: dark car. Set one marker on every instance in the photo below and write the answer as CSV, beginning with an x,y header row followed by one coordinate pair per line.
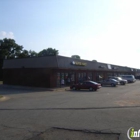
x,y
91,85
137,77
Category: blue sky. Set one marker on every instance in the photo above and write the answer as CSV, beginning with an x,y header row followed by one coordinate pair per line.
x,y
104,30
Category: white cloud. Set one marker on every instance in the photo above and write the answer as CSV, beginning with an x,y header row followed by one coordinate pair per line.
x,y
4,34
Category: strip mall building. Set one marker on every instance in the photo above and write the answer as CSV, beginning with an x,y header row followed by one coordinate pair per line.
x,y
50,71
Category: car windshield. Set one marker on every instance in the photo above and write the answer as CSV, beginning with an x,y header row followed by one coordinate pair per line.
x,y
133,77
119,78
93,82
114,80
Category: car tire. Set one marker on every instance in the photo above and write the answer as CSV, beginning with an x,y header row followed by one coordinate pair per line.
x,y
95,89
122,83
113,85
90,89
74,88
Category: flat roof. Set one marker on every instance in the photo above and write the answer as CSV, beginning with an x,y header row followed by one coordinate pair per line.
x,y
61,62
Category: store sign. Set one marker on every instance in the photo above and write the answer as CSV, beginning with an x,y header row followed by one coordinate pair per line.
x,y
78,63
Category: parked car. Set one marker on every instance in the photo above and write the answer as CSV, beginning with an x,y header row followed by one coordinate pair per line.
x,y
111,82
137,77
129,78
91,85
121,81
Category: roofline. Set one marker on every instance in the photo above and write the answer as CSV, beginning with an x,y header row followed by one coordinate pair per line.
x,y
99,62
56,56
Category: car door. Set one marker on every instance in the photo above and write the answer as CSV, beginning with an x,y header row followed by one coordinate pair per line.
x,y
108,82
85,85
103,82
88,85
81,85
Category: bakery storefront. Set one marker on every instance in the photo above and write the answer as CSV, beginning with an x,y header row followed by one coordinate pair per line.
x,y
56,71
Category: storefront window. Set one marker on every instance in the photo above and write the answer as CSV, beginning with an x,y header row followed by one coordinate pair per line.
x,y
114,74
65,78
110,74
81,77
93,76
62,79
73,77
58,79
101,75
89,76
84,76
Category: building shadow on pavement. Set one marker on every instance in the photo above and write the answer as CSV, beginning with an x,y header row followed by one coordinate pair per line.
x,y
11,89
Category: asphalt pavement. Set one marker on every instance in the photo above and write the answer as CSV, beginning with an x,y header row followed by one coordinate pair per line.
x,y
28,113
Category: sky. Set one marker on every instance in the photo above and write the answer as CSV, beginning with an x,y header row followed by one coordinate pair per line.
x,y
104,30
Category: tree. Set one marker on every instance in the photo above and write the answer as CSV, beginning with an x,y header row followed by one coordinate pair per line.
x,y
94,60
48,52
9,48
23,54
32,53
1,71
75,56
26,53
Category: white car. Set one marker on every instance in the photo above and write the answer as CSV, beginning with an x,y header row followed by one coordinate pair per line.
x,y
129,78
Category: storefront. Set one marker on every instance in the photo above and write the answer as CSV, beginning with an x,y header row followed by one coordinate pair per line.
x,y
56,71
65,78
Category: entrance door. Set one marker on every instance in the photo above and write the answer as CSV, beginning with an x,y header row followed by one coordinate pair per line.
x,y
81,76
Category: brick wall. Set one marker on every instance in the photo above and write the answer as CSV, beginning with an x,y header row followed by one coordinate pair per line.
x,y
39,77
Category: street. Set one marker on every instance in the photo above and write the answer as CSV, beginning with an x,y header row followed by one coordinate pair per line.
x,y
32,114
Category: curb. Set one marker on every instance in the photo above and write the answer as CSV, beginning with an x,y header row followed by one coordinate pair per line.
x,y
4,98
60,89
32,88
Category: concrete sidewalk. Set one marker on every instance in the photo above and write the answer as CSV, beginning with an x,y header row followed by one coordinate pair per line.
x,y
61,89
34,88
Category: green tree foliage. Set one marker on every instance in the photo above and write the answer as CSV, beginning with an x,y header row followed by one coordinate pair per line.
x,y
23,54
26,53
32,53
9,48
75,56
48,52
1,71
94,60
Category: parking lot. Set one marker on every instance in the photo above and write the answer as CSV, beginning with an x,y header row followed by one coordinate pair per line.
x,y
27,112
